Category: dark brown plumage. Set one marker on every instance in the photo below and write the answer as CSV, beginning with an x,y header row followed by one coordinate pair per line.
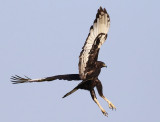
x,y
89,67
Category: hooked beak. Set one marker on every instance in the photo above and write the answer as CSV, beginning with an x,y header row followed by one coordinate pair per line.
x,y
104,65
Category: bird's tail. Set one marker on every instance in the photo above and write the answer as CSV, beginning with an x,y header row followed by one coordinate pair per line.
x,y
72,91
79,86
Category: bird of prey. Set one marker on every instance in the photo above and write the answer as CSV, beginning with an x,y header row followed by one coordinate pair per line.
x,y
89,66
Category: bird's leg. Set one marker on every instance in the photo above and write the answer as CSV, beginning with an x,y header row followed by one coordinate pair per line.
x,y
100,92
111,106
103,111
96,101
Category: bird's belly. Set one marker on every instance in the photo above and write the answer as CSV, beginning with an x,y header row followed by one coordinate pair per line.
x,y
88,85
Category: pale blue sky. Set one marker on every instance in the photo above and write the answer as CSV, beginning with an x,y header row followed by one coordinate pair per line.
x,y
43,38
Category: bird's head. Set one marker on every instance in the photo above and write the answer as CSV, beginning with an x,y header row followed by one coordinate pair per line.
x,y
101,64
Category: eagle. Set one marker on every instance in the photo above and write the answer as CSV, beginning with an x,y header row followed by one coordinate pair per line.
x,y
89,66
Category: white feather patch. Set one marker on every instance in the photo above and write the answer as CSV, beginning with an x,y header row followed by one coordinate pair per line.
x,y
101,25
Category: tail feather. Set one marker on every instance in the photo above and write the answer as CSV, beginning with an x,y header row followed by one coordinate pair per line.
x,y
72,91
79,86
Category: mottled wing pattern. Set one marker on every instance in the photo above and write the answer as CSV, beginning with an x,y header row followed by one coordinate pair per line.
x,y
17,79
96,37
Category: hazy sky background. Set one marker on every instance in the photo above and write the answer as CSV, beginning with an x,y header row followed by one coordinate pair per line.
x,y
40,38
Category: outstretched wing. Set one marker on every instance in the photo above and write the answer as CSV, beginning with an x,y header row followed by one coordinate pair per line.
x,y
17,79
96,37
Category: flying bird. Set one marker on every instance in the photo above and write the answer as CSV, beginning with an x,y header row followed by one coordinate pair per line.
x,y
89,66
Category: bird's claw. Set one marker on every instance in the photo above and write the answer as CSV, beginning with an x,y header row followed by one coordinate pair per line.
x,y
111,106
105,113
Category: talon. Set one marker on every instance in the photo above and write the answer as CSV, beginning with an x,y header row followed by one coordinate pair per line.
x,y
111,106
105,113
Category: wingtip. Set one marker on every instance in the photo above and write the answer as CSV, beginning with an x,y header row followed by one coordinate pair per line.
x,y
17,79
15,83
100,8
100,11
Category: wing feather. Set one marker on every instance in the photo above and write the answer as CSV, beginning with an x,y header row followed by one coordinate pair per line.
x,y
17,79
96,37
